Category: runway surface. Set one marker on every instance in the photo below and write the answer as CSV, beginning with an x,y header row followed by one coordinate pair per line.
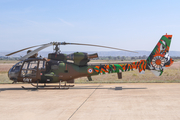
x,y
131,101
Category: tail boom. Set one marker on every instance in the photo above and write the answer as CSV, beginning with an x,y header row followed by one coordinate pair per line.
x,y
157,60
117,68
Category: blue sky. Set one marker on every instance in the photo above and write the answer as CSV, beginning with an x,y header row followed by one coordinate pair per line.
x,y
126,24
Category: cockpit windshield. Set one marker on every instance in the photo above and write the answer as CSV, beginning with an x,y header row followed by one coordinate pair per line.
x,y
14,71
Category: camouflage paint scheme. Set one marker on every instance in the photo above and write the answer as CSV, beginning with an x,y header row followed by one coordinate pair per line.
x,y
56,70
115,68
157,60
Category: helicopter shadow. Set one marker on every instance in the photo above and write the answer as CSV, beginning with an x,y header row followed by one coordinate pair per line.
x,y
107,88
75,88
12,89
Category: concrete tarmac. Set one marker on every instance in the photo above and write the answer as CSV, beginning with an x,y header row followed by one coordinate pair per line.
x,y
126,101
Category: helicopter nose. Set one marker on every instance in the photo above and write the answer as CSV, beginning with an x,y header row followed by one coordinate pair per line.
x,y
14,71
12,75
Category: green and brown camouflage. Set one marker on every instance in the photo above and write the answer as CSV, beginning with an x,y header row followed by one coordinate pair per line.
x,y
59,68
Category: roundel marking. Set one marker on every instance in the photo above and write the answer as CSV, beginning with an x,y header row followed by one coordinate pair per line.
x,y
90,70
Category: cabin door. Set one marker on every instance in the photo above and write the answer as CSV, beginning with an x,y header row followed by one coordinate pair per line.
x,y
32,71
29,71
41,69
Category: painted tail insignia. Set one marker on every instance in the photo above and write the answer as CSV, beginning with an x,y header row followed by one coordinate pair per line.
x,y
157,60
159,57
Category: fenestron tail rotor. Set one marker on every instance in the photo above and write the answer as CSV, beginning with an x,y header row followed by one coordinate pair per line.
x,y
57,48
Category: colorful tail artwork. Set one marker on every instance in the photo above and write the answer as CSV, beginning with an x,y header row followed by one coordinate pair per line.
x,y
159,57
157,60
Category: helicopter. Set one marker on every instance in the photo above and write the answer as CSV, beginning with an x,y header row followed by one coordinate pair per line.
x,y
59,67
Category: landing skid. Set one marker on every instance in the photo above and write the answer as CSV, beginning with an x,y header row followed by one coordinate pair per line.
x,y
52,85
63,87
39,88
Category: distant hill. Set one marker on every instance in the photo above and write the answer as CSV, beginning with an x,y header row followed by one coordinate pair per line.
x,y
140,53
100,53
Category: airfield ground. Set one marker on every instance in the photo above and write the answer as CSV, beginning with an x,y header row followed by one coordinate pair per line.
x,y
135,97
125,101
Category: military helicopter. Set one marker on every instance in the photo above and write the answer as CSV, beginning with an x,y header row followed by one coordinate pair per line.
x,y
59,67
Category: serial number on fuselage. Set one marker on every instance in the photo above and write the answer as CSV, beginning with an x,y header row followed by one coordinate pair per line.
x,y
27,79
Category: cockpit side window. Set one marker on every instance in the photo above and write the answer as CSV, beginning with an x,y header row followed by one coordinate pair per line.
x,y
42,65
32,65
25,66
29,69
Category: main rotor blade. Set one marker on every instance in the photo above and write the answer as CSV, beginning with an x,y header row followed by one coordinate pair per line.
x,y
22,50
36,51
99,46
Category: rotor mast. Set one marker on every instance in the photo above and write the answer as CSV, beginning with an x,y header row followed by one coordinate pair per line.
x,y
57,49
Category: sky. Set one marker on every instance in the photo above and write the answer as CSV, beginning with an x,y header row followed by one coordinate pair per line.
x,y
126,24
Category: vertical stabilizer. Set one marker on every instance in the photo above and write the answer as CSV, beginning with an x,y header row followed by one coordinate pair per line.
x,y
159,57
